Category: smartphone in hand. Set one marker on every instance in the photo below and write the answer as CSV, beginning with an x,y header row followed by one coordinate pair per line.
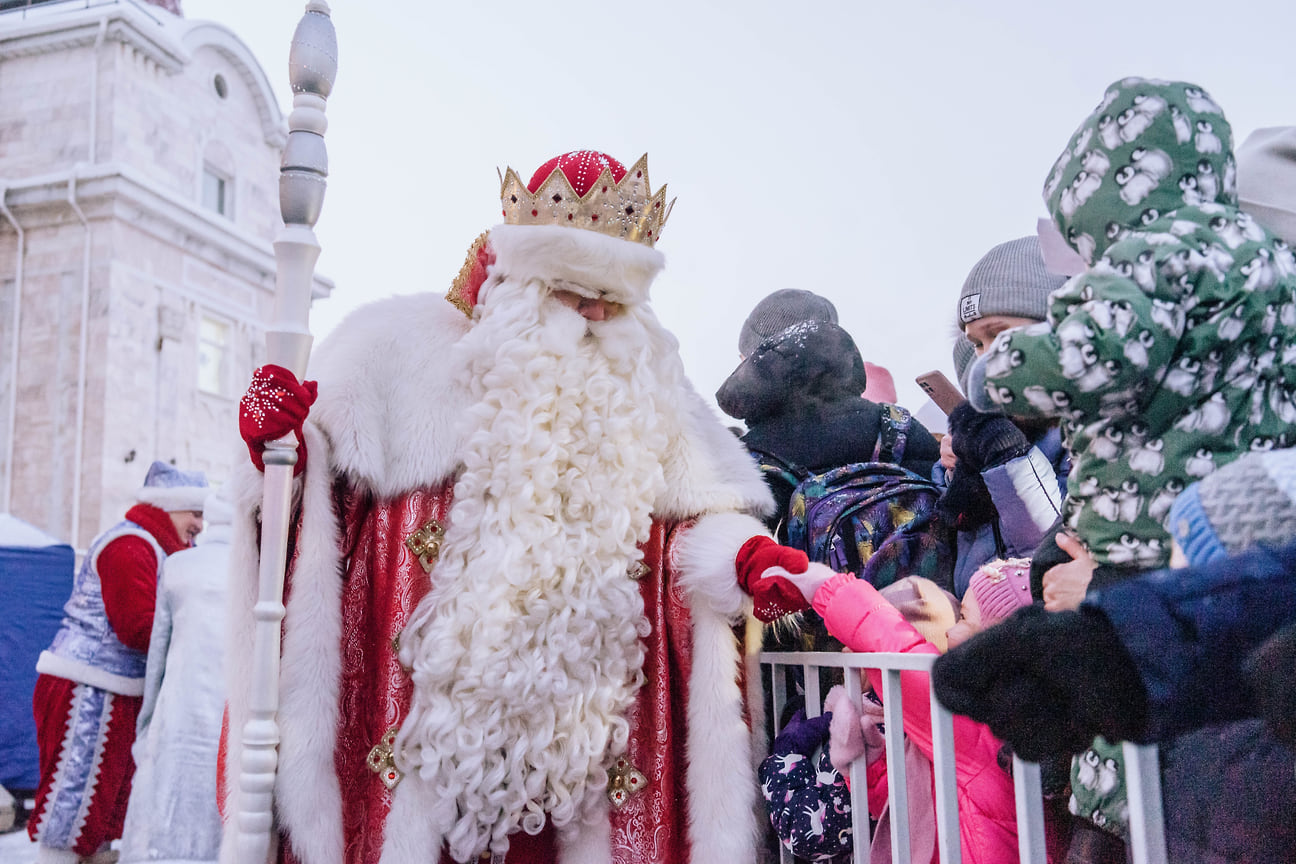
x,y
941,390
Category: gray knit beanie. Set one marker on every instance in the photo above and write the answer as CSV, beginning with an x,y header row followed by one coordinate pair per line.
x,y
1250,500
1010,280
1266,178
779,311
964,354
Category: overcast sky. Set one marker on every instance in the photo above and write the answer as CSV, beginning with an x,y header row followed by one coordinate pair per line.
x,y
869,151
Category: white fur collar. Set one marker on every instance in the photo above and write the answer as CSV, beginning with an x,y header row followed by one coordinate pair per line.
x,y
389,403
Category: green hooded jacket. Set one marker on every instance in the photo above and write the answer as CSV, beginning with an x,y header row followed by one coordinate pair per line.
x,y
1173,353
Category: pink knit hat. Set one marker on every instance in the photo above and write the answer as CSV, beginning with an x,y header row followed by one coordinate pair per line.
x,y
1001,587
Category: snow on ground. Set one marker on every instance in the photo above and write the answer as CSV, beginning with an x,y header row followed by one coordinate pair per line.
x,y
15,848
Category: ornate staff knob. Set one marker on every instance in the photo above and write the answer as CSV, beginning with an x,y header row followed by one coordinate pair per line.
x,y
312,66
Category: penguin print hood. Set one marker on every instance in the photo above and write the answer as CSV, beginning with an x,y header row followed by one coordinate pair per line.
x,y
1174,352
1148,149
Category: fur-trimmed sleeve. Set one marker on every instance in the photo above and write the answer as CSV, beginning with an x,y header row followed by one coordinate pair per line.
x,y
705,553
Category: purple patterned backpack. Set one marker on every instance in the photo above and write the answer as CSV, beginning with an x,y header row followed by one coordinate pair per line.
x,y
874,519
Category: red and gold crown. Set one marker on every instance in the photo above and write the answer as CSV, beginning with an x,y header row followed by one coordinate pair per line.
x,y
590,190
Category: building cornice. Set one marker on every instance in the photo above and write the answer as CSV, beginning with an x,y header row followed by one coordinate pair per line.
x,y
58,29
166,40
109,191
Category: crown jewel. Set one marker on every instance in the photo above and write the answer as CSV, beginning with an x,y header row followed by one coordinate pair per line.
x,y
568,191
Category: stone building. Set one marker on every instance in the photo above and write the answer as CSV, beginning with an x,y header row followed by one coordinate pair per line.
x,y
139,162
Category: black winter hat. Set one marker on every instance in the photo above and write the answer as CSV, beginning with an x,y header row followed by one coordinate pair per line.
x,y
809,364
779,311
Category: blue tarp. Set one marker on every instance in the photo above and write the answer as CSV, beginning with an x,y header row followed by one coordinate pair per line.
x,y
35,582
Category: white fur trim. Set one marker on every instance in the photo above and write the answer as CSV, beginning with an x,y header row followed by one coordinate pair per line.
x,y
415,819
620,270
308,800
723,752
83,673
588,840
388,399
173,498
709,470
705,553
721,770
389,404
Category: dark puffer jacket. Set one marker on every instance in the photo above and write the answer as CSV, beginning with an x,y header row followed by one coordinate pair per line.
x,y
799,394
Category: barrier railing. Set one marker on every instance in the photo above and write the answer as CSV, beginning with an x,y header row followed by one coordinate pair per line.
x,y
1147,831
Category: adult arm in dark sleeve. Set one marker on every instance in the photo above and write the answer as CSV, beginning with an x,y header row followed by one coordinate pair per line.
x,y
1189,632
922,450
1142,660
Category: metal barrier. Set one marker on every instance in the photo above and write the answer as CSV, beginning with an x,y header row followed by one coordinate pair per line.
x,y
1147,832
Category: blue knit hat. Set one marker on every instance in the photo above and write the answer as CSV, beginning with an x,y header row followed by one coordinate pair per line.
x,y
1250,500
168,488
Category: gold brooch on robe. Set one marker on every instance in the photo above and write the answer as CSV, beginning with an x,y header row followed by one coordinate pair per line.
x,y
624,779
381,760
425,543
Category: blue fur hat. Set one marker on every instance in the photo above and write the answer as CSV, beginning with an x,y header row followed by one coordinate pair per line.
x,y
168,488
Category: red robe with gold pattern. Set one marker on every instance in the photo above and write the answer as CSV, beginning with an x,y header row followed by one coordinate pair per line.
x,y
379,469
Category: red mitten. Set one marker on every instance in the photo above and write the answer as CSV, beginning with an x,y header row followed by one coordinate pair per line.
x,y
275,404
775,595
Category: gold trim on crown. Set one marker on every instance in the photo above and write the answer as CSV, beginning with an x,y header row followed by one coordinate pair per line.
x,y
627,210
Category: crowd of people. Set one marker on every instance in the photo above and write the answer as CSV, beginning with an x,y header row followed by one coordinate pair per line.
x,y
525,553
1128,377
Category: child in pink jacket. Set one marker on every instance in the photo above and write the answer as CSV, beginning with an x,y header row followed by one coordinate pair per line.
x,y
864,621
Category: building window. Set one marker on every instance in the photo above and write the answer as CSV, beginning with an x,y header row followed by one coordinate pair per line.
x,y
217,192
213,355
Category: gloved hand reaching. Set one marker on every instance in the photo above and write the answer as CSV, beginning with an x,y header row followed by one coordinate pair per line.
x,y
275,404
982,440
802,735
1046,682
780,580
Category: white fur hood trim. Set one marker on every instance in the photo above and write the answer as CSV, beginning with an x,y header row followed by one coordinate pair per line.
x,y
621,270
389,405
389,401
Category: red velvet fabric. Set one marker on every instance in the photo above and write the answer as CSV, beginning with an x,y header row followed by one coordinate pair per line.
x,y
128,573
383,583
51,704
157,522
580,167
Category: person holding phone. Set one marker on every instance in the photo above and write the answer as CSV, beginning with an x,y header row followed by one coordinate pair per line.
x,y
1005,479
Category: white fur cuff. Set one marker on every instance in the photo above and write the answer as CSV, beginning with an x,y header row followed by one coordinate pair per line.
x,y
173,498
705,553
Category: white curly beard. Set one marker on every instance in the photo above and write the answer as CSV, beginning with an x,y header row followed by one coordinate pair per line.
x,y
526,654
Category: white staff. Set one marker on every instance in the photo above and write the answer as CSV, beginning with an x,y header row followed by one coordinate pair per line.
x,y
312,65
